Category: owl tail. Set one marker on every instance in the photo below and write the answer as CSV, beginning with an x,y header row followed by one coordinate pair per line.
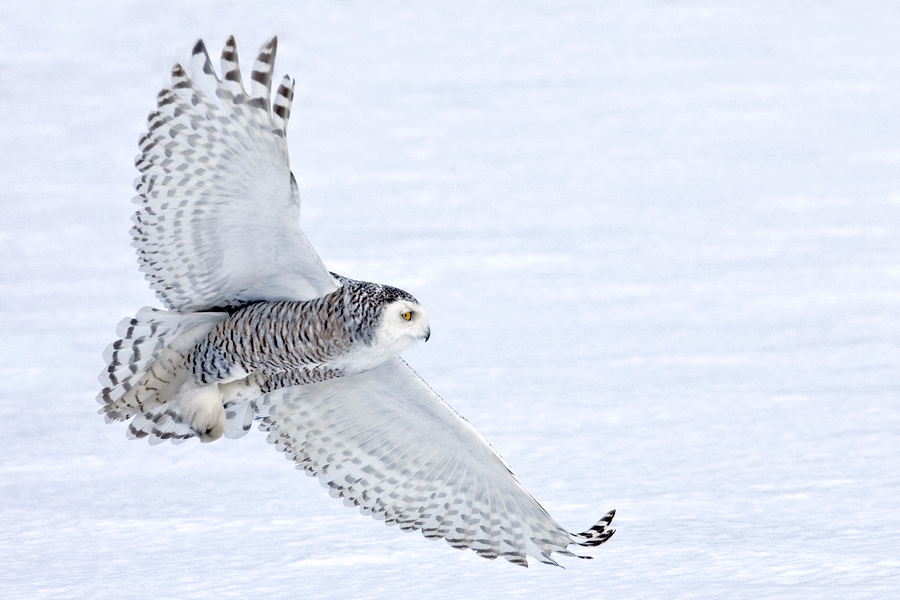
x,y
147,378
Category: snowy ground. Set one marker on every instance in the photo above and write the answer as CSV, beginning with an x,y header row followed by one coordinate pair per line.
x,y
658,242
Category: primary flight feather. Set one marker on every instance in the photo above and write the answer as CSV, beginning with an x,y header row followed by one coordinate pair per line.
x,y
257,329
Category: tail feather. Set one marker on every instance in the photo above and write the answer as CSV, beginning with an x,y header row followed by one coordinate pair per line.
x,y
147,368
159,425
193,411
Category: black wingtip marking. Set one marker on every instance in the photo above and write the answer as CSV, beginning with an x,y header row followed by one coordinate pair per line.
x,y
200,49
598,534
229,52
263,77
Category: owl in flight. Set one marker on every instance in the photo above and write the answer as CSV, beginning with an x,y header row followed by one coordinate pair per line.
x,y
256,328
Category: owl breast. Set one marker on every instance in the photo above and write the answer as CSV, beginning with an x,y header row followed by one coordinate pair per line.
x,y
274,337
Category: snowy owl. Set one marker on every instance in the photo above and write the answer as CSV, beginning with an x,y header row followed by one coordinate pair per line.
x,y
256,328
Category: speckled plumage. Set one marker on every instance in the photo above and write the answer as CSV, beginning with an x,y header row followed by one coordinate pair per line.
x,y
258,329
296,342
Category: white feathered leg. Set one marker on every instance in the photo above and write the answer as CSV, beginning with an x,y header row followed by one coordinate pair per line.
x,y
201,408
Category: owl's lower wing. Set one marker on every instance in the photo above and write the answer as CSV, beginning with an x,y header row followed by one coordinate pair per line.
x,y
384,441
219,217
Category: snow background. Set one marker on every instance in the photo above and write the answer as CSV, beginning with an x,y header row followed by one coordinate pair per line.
x,y
658,242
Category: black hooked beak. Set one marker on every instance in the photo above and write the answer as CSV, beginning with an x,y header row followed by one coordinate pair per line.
x,y
427,334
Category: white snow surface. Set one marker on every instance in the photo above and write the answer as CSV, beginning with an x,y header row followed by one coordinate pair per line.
x,y
658,242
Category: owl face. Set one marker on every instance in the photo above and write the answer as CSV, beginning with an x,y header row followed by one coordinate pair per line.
x,y
402,323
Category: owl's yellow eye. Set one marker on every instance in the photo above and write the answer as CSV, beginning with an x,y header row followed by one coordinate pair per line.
x,y
406,315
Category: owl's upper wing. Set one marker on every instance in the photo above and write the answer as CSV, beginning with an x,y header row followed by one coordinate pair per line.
x,y
219,217
384,441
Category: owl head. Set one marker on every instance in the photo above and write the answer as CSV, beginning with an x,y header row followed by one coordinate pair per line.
x,y
388,318
402,322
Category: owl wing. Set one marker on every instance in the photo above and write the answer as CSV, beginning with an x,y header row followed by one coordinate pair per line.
x,y
218,223
384,441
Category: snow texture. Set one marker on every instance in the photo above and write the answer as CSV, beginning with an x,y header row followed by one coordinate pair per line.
x,y
658,242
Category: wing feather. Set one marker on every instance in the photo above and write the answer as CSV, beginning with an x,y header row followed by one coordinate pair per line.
x,y
261,76
281,108
385,442
218,223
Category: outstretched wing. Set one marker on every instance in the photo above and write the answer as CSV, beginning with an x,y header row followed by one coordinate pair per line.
x,y
384,441
219,217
